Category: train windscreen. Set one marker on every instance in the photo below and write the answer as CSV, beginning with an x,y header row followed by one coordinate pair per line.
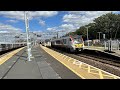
x,y
78,40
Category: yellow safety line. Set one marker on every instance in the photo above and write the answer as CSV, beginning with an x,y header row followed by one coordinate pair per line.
x,y
88,69
6,57
100,73
82,65
108,75
68,67
94,73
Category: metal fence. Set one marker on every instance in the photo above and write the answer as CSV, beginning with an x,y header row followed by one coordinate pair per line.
x,y
106,44
112,45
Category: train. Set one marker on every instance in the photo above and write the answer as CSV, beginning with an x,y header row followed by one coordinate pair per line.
x,y
69,43
9,46
46,43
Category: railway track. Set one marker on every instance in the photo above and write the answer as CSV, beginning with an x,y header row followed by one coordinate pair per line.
x,y
101,59
105,64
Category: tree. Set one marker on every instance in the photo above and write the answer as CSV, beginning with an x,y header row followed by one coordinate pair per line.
x,y
108,24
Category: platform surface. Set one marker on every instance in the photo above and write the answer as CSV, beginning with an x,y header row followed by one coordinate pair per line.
x,y
42,66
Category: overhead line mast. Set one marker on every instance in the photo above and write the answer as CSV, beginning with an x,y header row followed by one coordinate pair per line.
x,y
28,37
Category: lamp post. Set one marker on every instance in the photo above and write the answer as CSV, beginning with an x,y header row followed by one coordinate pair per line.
x,y
28,37
99,35
87,34
58,33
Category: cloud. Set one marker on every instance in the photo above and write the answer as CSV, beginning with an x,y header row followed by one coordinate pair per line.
x,y
12,21
72,20
9,28
52,29
42,23
82,17
63,28
19,15
67,27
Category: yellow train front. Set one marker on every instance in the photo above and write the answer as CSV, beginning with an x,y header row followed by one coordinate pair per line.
x,y
77,43
78,47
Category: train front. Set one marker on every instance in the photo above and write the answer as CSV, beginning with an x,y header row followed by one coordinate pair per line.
x,y
77,43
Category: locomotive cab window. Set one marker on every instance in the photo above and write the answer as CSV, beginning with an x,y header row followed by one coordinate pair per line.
x,y
77,40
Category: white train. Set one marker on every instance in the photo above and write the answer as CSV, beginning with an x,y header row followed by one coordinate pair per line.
x,y
8,46
69,43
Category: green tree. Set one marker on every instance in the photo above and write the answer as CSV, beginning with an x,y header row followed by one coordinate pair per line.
x,y
108,24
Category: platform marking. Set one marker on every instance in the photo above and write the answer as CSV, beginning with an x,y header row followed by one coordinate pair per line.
x,y
69,59
9,55
100,73
65,58
88,69
82,69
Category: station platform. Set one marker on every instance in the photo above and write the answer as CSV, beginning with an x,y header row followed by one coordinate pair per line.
x,y
41,66
47,64
102,49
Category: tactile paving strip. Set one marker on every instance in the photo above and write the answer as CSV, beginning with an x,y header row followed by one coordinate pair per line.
x,y
9,55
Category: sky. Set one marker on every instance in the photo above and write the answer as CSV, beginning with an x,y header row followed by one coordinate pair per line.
x,y
47,21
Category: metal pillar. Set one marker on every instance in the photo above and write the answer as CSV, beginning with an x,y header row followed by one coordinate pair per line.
x,y
87,36
105,45
117,44
57,34
110,45
28,37
99,35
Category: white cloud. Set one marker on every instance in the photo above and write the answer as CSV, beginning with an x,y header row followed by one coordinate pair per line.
x,y
67,26
42,23
74,19
82,17
19,15
64,28
52,29
9,28
12,21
